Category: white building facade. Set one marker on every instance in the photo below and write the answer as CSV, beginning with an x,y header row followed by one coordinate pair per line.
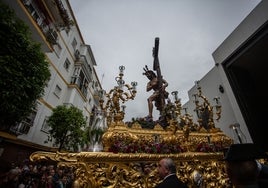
x,y
73,80
238,78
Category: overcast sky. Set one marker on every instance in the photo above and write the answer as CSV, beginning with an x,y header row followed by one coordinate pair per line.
x,y
122,32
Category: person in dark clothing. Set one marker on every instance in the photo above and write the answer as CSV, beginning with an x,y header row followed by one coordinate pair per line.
x,y
263,174
243,168
263,168
167,171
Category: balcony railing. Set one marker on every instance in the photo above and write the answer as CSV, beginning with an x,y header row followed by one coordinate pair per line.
x,y
21,128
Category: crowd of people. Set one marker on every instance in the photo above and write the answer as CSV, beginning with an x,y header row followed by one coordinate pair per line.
x,y
29,175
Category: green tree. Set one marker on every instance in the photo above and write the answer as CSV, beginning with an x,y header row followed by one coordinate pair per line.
x,y
24,71
67,125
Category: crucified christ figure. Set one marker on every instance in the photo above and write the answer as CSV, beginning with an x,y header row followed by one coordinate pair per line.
x,y
159,95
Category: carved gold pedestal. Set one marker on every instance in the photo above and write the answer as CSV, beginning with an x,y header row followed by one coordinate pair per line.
x,y
104,169
197,165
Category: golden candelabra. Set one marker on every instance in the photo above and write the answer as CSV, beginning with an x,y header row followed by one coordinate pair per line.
x,y
205,111
177,103
172,110
110,102
176,119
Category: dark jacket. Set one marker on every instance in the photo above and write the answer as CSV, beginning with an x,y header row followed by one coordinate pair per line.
x,y
171,182
263,176
264,172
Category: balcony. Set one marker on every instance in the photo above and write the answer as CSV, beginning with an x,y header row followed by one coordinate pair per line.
x,y
59,13
52,36
50,17
21,128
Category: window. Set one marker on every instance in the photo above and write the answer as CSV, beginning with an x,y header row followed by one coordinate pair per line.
x,y
67,31
24,126
57,48
45,128
57,91
83,85
36,12
52,36
67,64
93,85
74,44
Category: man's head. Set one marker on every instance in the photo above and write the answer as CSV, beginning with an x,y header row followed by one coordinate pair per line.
x,y
166,166
241,165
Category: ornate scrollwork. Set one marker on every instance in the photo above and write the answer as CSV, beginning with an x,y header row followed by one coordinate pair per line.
x,y
195,166
104,169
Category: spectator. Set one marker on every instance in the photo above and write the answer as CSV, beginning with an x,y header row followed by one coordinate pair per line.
x,y
167,172
37,176
242,167
50,183
12,178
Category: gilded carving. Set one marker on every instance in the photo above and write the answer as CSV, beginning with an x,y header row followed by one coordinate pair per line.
x,y
105,169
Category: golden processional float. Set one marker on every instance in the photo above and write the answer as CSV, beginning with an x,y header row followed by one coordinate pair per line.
x,y
132,150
